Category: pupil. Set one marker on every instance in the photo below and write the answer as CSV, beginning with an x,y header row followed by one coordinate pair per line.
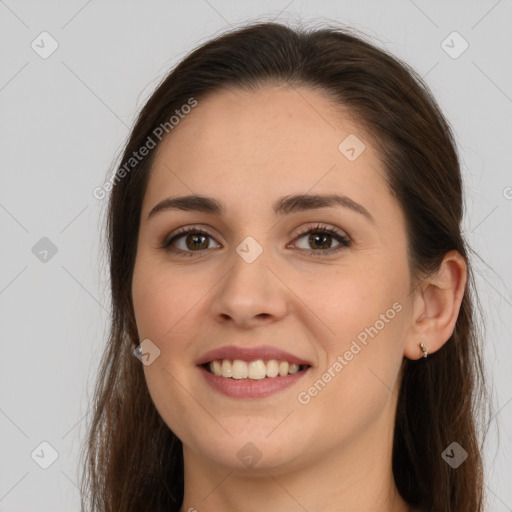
x,y
313,239
195,244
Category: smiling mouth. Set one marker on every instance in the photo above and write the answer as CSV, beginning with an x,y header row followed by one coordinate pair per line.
x,y
253,370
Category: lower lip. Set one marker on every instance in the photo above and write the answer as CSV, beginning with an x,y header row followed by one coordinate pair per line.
x,y
244,388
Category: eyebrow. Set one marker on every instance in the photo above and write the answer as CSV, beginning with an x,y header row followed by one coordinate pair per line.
x,y
283,206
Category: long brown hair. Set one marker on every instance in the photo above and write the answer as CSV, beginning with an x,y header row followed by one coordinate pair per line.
x,y
132,460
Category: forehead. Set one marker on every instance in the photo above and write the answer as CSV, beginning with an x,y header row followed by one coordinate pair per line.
x,y
240,143
267,125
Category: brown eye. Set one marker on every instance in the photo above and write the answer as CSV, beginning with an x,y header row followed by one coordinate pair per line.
x,y
319,240
191,241
196,241
187,241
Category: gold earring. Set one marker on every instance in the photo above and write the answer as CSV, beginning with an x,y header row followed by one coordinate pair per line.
x,y
423,349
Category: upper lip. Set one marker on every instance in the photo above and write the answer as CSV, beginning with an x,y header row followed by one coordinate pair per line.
x,y
264,352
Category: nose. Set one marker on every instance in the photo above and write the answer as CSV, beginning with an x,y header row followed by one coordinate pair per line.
x,y
251,294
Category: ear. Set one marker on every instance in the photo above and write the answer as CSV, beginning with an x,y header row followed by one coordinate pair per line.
x,y
436,305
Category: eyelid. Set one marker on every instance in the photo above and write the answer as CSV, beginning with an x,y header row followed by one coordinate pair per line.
x,y
326,228
344,240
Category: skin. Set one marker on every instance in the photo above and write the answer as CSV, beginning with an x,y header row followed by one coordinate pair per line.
x,y
247,149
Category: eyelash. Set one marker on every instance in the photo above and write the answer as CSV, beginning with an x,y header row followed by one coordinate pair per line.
x,y
343,240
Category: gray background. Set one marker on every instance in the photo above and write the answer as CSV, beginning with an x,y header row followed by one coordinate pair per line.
x,y
63,121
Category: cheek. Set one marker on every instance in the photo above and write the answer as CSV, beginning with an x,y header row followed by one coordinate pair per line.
x,y
355,381
162,297
349,300
163,300
364,312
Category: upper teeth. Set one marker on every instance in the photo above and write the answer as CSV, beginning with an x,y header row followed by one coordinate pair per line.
x,y
259,369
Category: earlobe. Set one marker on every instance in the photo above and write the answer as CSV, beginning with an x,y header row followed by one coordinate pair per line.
x,y
436,307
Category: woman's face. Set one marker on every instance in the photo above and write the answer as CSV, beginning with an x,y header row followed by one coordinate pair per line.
x,y
265,276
